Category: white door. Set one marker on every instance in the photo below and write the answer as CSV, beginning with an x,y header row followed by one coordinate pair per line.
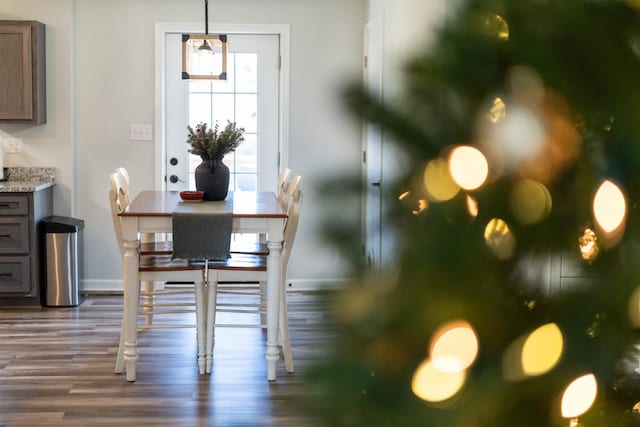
x,y
249,97
372,156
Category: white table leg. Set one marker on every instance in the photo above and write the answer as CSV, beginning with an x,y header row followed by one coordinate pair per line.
x,y
274,276
131,294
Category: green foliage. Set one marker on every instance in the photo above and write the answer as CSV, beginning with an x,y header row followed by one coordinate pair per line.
x,y
585,54
212,144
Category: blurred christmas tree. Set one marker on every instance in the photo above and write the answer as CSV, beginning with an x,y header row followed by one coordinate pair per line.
x,y
523,126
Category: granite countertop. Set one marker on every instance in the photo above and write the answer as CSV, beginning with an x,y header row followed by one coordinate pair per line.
x,y
27,179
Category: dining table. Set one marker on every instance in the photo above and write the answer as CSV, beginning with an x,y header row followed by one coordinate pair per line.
x,y
257,212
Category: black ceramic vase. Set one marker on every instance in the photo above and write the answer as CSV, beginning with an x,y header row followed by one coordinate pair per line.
x,y
212,177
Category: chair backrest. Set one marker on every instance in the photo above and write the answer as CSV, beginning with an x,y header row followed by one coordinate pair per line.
x,y
118,201
126,182
283,187
293,214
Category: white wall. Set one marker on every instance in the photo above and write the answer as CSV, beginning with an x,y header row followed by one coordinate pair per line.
x,y
93,101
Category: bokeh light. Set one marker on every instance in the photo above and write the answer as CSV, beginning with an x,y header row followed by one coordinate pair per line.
x,y
433,385
472,206
530,201
454,347
520,135
537,138
495,26
588,245
609,206
422,206
468,167
438,182
534,354
542,350
500,238
579,396
498,110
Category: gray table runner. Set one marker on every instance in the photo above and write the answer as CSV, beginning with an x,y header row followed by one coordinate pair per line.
x,y
203,230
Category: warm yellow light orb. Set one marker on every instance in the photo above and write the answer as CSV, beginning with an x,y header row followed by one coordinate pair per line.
x,y
609,206
588,245
542,350
500,238
454,347
472,206
498,110
530,201
438,182
579,396
468,167
433,385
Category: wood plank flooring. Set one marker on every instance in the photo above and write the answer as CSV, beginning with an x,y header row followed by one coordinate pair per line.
x,y
56,368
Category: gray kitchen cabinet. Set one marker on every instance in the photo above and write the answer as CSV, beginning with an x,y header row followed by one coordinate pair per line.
x,y
20,249
22,72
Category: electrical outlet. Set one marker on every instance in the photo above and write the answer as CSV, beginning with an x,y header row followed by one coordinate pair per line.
x,y
12,145
141,132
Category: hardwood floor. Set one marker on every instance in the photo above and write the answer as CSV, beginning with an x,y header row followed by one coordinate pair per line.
x,y
56,368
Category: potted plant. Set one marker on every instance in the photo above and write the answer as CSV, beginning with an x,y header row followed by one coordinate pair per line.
x,y
212,175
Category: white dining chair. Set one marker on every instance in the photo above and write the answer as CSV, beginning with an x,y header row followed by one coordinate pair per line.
x,y
152,244
282,192
241,268
159,267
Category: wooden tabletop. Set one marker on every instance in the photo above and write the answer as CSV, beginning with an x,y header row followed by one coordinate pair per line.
x,y
246,204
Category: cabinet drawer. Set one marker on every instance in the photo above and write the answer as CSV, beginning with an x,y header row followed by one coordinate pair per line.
x,y
14,235
14,205
15,275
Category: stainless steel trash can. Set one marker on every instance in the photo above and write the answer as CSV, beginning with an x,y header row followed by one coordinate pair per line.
x,y
62,261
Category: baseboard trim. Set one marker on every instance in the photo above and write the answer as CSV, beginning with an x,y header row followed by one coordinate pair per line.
x,y
101,286
115,286
316,284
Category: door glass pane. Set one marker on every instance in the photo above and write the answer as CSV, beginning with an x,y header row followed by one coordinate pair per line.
x,y
225,86
199,108
222,108
247,155
234,100
247,111
247,75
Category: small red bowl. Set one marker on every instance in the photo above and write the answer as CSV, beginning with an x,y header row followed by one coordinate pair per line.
x,y
191,196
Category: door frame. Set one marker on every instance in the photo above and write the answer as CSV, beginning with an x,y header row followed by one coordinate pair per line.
x,y
161,28
372,147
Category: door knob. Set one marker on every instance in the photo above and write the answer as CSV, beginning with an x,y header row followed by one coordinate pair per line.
x,y
173,161
174,179
375,184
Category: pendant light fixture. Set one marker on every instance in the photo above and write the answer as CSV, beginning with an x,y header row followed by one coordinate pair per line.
x,y
204,56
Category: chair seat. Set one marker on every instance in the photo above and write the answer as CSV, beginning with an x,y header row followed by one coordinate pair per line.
x,y
166,248
236,262
249,248
156,248
245,262
165,263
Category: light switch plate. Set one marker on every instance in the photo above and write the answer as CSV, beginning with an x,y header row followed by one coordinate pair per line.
x,y
141,132
12,145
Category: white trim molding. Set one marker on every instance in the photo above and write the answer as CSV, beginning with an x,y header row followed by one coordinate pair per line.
x,y
116,287
163,28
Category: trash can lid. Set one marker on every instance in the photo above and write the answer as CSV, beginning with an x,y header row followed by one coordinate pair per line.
x,y
61,224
